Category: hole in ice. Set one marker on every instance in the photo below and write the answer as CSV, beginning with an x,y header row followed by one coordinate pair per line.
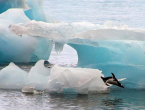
x,y
68,57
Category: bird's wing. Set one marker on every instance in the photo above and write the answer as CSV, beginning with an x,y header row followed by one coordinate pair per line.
x,y
113,76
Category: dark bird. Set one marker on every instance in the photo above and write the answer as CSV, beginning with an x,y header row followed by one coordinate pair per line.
x,y
112,80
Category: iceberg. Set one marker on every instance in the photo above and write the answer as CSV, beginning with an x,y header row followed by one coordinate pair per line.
x,y
52,80
109,48
12,47
118,51
20,49
75,80
33,9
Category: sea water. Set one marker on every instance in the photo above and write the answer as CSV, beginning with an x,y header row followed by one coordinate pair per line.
x,y
116,100
131,13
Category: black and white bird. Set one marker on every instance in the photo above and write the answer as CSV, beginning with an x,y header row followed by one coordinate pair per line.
x,y
112,80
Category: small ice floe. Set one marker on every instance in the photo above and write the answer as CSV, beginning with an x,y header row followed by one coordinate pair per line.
x,y
75,80
31,90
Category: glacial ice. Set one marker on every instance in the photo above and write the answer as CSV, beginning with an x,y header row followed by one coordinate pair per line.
x,y
38,75
79,80
12,77
80,32
20,49
109,48
53,80
7,4
33,9
36,11
12,47
55,31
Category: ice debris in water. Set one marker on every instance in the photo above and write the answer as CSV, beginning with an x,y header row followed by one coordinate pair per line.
x,y
53,80
31,90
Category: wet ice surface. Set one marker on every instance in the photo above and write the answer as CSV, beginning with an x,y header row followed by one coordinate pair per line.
x,y
15,100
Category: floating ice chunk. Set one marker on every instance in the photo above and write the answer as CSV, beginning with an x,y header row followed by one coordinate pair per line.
x,y
80,80
38,75
12,77
12,46
124,58
31,90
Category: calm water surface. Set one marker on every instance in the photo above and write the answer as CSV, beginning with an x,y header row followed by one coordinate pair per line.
x,y
122,99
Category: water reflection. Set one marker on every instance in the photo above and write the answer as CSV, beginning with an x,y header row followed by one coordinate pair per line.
x,y
15,100
112,103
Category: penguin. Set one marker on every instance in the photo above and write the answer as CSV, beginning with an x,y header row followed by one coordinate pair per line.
x,y
111,80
